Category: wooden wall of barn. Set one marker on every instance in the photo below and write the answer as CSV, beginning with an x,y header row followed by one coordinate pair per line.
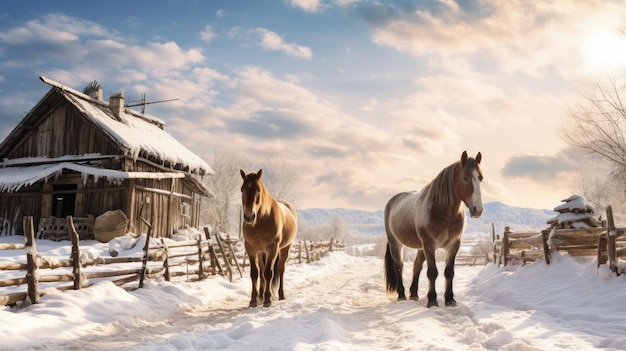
x,y
172,202
13,206
65,131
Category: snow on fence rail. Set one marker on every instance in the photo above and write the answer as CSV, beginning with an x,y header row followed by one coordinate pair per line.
x,y
194,259
607,244
300,252
471,260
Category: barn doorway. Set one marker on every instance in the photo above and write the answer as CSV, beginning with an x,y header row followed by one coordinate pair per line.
x,y
64,200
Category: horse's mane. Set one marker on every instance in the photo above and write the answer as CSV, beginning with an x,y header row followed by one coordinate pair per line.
x,y
266,198
441,189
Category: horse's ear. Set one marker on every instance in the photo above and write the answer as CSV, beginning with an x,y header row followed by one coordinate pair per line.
x,y
243,174
259,173
479,157
463,158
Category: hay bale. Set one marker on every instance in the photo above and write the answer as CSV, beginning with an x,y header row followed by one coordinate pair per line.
x,y
109,225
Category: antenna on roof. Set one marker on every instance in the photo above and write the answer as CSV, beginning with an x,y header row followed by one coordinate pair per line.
x,y
143,103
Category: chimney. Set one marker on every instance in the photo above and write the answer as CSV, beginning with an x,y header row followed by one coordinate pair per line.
x,y
116,104
97,94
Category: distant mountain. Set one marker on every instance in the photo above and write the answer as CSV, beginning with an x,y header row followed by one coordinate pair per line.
x,y
362,222
501,215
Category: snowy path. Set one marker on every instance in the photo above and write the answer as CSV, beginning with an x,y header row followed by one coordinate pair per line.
x,y
339,304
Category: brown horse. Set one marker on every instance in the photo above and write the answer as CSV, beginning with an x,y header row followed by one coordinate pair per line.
x,y
431,219
269,227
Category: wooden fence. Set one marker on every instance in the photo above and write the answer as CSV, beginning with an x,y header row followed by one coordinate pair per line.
x,y
607,244
193,259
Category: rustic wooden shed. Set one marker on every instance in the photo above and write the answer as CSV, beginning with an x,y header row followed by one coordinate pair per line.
x,y
75,154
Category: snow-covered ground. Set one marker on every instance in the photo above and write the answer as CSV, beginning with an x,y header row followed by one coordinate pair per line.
x,y
337,303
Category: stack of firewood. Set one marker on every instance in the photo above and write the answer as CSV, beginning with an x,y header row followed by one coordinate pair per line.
x,y
574,212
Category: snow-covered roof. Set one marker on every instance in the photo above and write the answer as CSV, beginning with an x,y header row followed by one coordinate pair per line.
x,y
134,132
568,217
574,202
14,178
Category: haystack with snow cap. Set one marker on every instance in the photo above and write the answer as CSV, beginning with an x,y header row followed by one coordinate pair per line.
x,y
574,212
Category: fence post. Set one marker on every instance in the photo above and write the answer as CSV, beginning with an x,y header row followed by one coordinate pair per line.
x,y
306,249
200,260
234,257
214,261
228,267
146,246
505,246
75,256
330,246
544,241
31,259
610,240
493,241
602,256
166,261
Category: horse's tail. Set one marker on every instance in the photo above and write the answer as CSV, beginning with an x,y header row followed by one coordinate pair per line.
x,y
276,277
391,278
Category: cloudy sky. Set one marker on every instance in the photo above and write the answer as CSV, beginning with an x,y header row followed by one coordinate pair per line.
x,y
363,99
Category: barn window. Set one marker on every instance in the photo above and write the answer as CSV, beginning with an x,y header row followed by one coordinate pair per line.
x,y
63,200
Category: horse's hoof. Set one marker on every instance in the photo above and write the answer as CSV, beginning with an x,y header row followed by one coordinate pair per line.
x,y
414,298
267,304
401,298
432,303
451,303
281,298
252,304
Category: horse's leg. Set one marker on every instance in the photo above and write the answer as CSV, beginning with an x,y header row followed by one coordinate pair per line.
x,y
432,274
417,269
268,273
282,262
393,267
449,272
262,265
254,275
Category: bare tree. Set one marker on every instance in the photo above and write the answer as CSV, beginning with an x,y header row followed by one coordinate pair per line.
x,y
597,129
223,211
225,184
279,177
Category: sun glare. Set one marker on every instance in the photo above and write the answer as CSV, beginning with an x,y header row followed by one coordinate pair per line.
x,y
604,51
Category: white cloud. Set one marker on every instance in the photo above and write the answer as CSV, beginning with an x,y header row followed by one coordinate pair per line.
x,y
207,33
273,41
220,13
306,5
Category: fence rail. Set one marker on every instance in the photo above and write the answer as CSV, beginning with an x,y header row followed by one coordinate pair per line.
x,y
607,244
193,259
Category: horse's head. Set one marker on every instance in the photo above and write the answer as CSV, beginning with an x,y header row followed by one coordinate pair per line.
x,y
251,195
468,181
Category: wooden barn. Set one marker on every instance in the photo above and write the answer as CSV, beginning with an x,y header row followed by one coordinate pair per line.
x,y
75,154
